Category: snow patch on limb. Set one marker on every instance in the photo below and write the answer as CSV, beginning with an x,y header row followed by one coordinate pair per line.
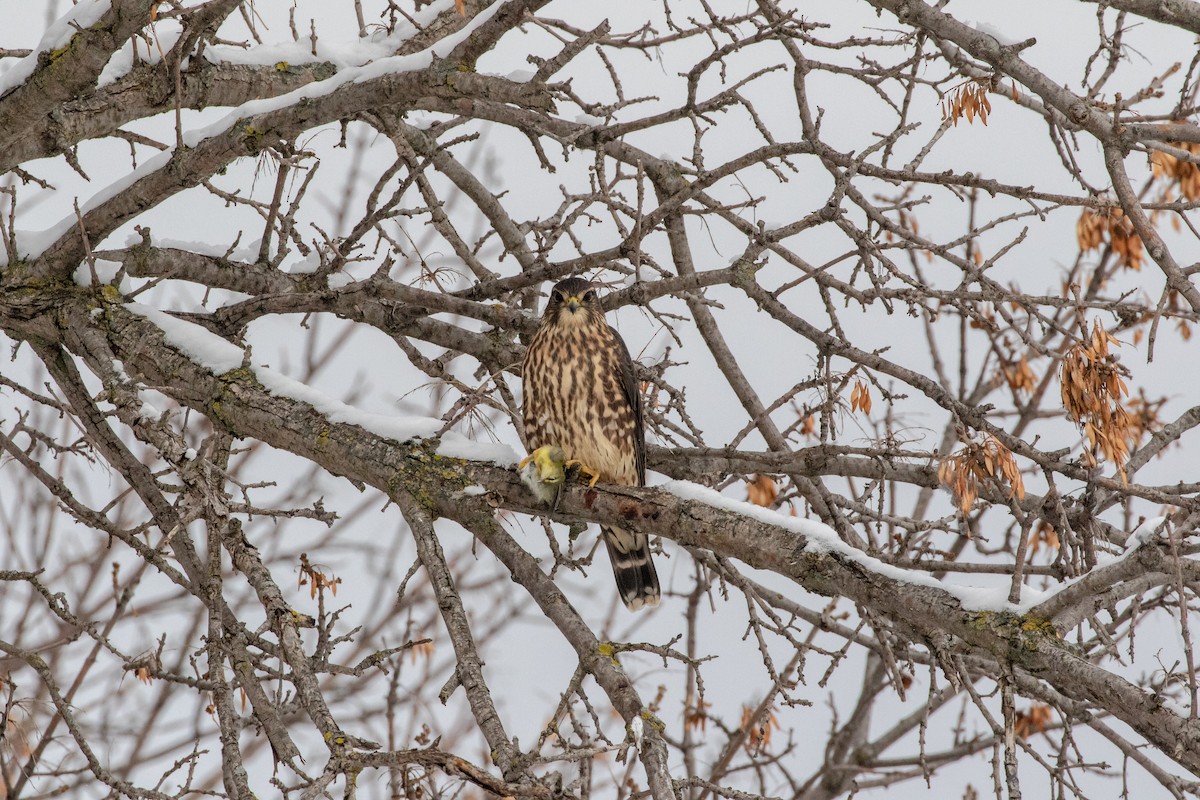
x,y
31,244
1148,531
455,445
339,280
84,15
391,65
106,272
991,30
820,538
199,344
343,53
245,251
163,36
219,356
147,410
305,266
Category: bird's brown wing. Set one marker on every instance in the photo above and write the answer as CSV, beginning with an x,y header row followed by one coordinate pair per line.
x,y
633,567
629,388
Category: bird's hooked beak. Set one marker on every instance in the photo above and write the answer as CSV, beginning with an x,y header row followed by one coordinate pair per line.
x,y
573,304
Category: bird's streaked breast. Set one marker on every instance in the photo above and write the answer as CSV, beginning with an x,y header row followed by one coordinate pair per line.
x,y
574,399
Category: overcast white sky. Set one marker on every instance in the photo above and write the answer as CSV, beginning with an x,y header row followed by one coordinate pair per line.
x,y
1013,147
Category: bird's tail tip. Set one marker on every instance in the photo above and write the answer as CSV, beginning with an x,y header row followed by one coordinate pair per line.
x,y
649,599
637,581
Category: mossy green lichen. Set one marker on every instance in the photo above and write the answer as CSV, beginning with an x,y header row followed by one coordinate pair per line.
x,y
649,717
609,651
322,71
252,137
323,438
1024,631
1038,625
744,271
425,468
812,564
54,55
243,376
111,294
981,620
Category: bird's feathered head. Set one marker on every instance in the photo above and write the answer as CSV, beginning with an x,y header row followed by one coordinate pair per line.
x,y
573,302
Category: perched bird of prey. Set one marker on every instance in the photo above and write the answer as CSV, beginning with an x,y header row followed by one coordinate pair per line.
x,y
581,396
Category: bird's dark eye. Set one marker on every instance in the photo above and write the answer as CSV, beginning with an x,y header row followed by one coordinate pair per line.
x,y
589,296
557,297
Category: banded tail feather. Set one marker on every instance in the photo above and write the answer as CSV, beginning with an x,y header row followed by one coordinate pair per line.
x,y
632,567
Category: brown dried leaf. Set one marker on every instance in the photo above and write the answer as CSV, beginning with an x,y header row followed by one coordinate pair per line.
x,y
1043,534
758,735
316,579
968,99
989,460
860,397
420,649
1185,174
1092,391
1035,720
1020,377
695,715
809,426
761,491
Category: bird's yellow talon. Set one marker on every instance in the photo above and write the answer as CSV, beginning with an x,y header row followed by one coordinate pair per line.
x,y
593,475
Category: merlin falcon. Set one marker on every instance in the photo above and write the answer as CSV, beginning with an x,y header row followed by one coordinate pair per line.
x,y
580,395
